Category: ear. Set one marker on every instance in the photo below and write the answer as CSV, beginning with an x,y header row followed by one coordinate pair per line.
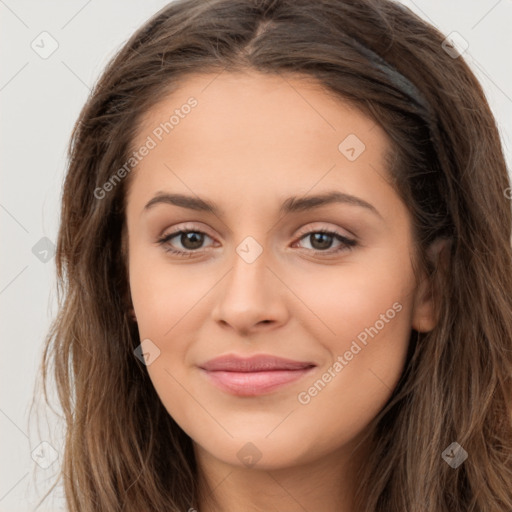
x,y
131,314
424,317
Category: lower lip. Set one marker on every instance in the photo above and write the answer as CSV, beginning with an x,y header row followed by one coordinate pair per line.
x,y
254,383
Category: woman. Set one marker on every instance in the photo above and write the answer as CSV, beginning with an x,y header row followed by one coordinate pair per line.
x,y
285,267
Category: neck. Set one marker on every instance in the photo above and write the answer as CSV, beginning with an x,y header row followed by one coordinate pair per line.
x,y
327,483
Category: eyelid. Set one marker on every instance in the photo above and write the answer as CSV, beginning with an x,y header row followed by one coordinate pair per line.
x,y
319,226
348,242
187,226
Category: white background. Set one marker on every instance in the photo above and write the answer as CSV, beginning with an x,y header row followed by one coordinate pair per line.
x,y
40,101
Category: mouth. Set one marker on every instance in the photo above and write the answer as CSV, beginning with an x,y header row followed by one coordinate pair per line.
x,y
253,376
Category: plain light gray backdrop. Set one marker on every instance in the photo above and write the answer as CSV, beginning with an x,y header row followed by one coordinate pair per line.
x,y
52,52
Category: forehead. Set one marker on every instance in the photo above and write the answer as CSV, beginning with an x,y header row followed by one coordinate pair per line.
x,y
255,101
250,131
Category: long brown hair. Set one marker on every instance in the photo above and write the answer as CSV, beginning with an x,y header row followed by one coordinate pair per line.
x,y
123,451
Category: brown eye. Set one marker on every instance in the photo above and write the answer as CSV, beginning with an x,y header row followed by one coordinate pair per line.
x,y
191,241
322,240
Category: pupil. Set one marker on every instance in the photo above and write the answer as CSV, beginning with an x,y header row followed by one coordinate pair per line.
x,y
326,238
191,240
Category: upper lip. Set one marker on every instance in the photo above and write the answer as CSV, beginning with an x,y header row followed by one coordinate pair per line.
x,y
256,363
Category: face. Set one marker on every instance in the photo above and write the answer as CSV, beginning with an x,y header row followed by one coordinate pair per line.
x,y
308,303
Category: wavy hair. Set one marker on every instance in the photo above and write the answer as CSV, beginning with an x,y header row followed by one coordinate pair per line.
x,y
123,451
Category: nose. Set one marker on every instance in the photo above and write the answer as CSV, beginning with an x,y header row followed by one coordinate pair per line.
x,y
251,297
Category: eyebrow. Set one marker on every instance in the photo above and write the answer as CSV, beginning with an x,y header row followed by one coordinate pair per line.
x,y
290,205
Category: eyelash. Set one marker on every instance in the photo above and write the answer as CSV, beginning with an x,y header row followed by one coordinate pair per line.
x,y
347,243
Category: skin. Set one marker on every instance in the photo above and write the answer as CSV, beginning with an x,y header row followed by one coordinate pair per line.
x,y
252,141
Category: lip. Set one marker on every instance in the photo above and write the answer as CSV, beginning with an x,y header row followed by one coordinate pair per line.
x,y
256,375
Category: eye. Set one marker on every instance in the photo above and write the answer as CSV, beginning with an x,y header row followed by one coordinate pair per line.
x,y
321,241
191,241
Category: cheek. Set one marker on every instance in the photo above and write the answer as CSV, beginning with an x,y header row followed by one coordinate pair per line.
x,y
363,320
166,300
342,303
358,382
172,303
163,294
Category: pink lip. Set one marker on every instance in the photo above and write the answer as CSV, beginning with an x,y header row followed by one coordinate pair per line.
x,y
255,375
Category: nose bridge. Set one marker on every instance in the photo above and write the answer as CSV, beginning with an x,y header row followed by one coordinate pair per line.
x,y
248,279
248,296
